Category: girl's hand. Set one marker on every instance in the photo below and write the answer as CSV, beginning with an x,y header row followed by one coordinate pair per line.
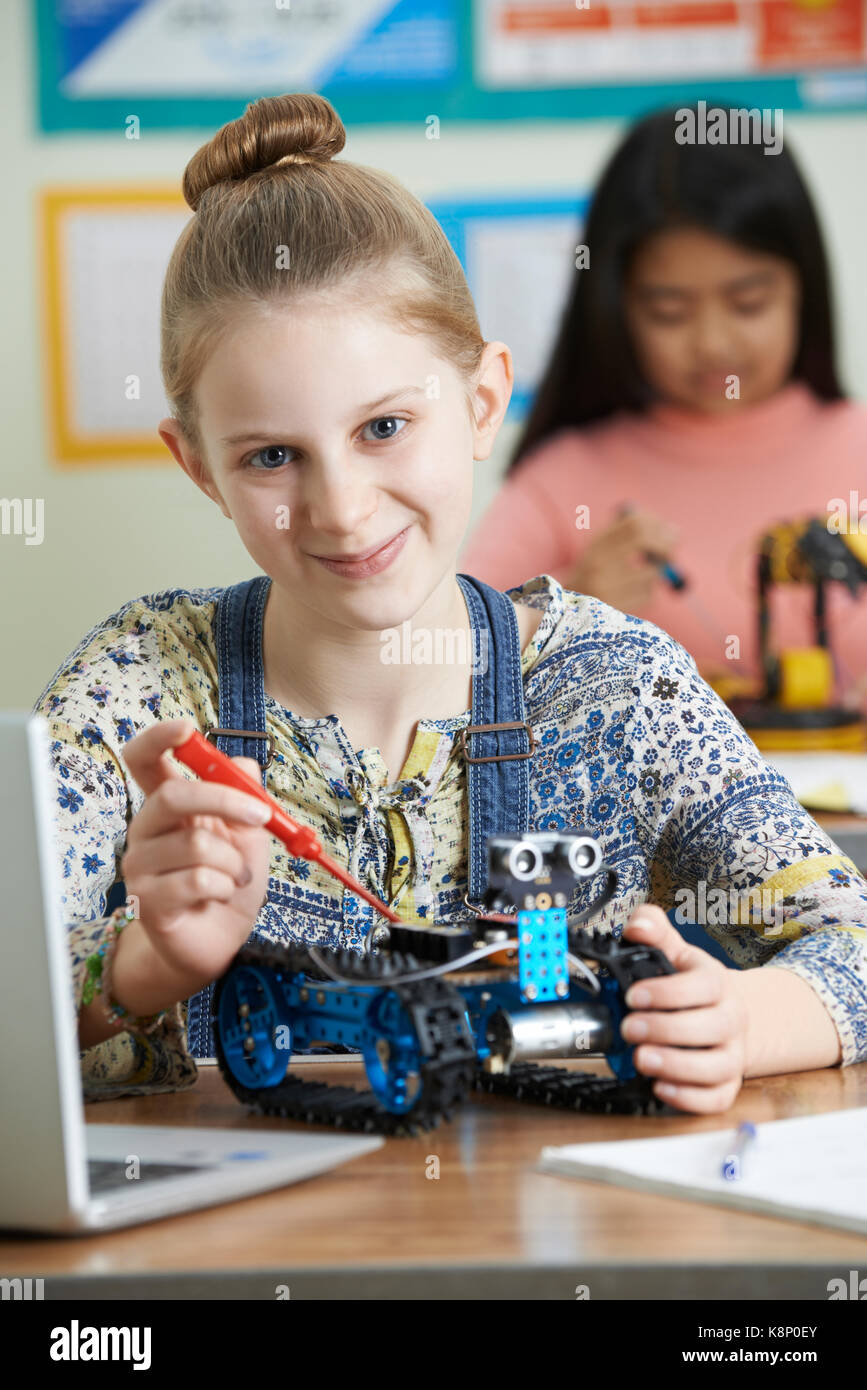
x,y
690,1031
197,857
614,565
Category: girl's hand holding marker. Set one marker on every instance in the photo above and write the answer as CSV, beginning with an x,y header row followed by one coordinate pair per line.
x,y
621,565
196,860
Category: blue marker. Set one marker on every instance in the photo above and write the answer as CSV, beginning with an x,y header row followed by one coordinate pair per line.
x,y
668,572
731,1165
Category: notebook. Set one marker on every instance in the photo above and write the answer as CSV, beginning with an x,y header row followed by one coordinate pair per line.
x,y
826,781
807,1169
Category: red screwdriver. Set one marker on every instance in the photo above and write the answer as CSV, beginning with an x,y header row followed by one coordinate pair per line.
x,y
199,754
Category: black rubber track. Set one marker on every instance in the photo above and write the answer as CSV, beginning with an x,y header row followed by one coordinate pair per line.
x,y
596,1095
446,1043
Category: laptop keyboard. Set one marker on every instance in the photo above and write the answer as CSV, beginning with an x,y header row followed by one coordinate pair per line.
x,y
109,1175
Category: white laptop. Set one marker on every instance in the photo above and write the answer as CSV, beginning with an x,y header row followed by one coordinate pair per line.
x,y
58,1174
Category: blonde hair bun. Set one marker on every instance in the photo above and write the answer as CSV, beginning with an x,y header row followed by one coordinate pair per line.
x,y
297,128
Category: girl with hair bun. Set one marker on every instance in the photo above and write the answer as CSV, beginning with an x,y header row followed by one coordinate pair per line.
x,y
330,390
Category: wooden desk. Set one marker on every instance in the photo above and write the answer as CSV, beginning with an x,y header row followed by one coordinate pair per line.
x,y
489,1227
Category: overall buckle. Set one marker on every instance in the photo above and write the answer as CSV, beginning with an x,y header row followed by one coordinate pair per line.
x,y
487,728
244,733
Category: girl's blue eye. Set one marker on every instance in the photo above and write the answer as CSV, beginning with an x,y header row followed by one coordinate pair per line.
x,y
268,452
386,420
393,425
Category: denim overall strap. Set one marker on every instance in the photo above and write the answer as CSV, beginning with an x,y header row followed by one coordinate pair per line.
x,y
498,788
240,670
241,693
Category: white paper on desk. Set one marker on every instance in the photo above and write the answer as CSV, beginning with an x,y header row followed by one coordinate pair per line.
x,y
818,778
813,1168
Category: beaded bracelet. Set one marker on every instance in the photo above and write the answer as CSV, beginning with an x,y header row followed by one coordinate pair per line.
x,y
98,980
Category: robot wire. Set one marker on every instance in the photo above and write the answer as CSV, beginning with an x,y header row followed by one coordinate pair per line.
x,y
446,968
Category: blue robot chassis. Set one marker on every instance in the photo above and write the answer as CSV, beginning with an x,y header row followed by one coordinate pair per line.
x,y
436,1012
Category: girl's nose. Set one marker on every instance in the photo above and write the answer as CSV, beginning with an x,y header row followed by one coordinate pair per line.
x,y
712,336
338,500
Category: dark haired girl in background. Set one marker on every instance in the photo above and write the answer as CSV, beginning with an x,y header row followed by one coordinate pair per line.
x,y
691,401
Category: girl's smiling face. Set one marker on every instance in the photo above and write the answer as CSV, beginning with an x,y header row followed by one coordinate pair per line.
x,y
327,432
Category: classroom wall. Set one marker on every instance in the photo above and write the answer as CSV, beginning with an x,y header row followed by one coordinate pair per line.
x,y
112,534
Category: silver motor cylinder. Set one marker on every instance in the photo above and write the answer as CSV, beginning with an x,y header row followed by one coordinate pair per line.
x,y
548,1030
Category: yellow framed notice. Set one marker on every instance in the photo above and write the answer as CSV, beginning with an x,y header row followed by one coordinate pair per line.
x,y
104,253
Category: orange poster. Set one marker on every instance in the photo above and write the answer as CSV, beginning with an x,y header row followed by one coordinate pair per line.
x,y
797,34
535,43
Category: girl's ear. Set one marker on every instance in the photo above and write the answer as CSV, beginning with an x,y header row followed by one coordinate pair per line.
x,y
491,396
170,433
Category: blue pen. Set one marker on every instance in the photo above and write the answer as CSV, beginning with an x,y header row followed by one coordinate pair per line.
x,y
731,1165
674,577
668,572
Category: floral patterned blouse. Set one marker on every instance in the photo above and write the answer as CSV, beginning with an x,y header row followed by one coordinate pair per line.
x,y
631,745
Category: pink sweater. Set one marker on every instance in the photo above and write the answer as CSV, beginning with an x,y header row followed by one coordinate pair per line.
x,y
722,482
